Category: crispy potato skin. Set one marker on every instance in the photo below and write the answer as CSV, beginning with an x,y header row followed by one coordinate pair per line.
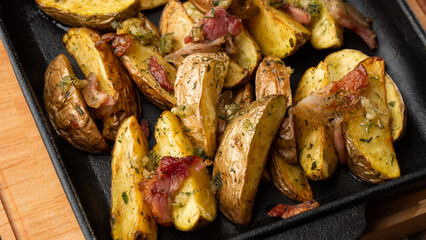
x,y
136,63
326,33
150,4
242,155
194,204
113,78
345,60
276,32
371,155
130,217
66,109
97,14
315,150
273,77
198,85
289,178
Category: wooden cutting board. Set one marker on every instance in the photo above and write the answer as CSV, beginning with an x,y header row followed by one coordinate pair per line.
x,y
34,206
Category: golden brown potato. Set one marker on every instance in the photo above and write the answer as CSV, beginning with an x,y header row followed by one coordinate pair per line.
x,y
131,218
137,57
273,77
326,33
277,33
368,140
289,178
248,55
67,110
242,155
343,61
111,76
194,204
198,84
150,4
97,14
315,150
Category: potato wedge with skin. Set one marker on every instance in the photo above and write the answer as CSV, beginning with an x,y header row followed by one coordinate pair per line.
x,y
193,11
150,4
315,149
131,218
198,85
276,33
111,75
242,155
273,77
67,110
136,61
341,62
194,204
248,55
97,14
368,140
289,178
175,19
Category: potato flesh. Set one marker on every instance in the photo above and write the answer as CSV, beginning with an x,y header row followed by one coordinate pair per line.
x,y
326,33
198,84
89,7
110,74
276,33
194,205
242,155
315,150
136,61
66,108
341,62
130,216
248,55
372,137
150,4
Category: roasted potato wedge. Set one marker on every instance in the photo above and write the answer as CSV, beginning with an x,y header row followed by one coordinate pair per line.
x,y
243,9
242,155
368,140
248,55
97,14
343,61
150,4
289,178
137,58
198,85
273,77
111,76
193,11
67,110
130,217
194,204
315,150
276,33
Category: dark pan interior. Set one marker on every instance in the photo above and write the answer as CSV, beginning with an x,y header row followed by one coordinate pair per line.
x,y
33,39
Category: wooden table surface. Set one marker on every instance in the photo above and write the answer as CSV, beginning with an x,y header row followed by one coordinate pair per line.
x,y
34,206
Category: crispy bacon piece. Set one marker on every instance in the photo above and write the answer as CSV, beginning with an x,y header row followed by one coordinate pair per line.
x,y
339,144
335,99
349,17
159,72
159,188
120,42
297,13
93,97
145,127
286,211
218,23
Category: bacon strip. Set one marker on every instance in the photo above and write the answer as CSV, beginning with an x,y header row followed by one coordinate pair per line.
x,y
349,17
145,127
159,188
121,42
217,23
339,144
297,13
286,211
93,97
159,73
335,99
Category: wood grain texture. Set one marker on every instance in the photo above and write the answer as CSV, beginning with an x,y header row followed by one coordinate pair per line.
x,y
30,191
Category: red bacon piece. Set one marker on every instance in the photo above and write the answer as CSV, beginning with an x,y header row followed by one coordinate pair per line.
x,y
120,42
145,127
159,73
286,211
217,23
159,188
297,13
94,97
